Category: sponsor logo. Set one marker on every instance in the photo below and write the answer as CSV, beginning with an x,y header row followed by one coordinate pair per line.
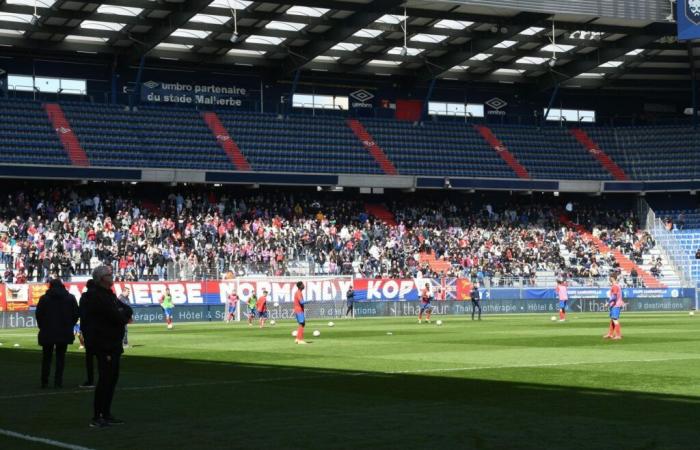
x,y
362,98
151,84
221,137
63,130
496,105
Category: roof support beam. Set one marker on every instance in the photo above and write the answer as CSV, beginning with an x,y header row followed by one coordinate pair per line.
x,y
457,55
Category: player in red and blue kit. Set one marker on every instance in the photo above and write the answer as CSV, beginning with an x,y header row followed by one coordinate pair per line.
x,y
563,296
232,305
261,306
299,313
615,303
425,306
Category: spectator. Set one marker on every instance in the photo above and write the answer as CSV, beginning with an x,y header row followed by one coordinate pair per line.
x,y
103,318
56,315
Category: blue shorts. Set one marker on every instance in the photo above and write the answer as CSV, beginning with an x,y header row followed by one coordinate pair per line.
x,y
76,329
425,306
231,309
168,311
264,314
615,312
253,312
301,320
562,304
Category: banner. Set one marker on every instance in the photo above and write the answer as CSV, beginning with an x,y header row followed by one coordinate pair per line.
x,y
688,12
409,289
193,94
19,297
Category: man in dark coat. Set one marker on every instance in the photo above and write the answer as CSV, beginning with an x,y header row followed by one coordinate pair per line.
x,y
102,318
56,315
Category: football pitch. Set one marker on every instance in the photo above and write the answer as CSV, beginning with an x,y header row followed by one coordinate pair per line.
x,y
507,382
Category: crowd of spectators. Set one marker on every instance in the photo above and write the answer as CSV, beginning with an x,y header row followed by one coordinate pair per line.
x,y
196,234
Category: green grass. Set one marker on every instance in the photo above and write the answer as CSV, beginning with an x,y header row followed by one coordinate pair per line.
x,y
508,382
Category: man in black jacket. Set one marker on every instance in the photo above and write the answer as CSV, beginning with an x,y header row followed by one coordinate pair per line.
x,y
475,296
56,315
102,319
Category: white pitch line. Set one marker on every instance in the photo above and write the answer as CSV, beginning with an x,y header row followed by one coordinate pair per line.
x,y
51,442
330,374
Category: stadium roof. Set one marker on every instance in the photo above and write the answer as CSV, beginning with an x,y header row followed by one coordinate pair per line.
x,y
443,39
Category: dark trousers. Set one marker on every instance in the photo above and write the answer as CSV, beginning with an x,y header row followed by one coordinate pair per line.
x,y
350,309
108,375
476,305
89,367
47,351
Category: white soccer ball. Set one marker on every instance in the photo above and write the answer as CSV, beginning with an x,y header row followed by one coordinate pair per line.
x,y
389,333
553,318
331,324
317,333
272,322
438,323
691,313
16,345
276,304
294,333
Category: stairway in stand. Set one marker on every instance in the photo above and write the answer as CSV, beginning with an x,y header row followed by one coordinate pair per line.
x,y
502,151
65,133
625,263
226,141
372,147
381,213
594,149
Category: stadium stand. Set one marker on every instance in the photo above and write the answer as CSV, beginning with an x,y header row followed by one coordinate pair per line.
x,y
170,137
27,136
652,152
156,234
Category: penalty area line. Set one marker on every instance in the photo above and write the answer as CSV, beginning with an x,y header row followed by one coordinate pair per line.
x,y
41,440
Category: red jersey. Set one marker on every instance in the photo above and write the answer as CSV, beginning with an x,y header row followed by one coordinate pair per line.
x,y
261,305
616,300
562,292
299,302
425,295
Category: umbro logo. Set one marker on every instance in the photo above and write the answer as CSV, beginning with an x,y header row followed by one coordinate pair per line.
x,y
63,130
151,84
497,103
362,95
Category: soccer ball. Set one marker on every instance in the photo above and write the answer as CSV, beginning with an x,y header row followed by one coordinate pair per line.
x,y
16,345
331,324
276,304
553,318
294,333
317,333
438,323
272,322
691,313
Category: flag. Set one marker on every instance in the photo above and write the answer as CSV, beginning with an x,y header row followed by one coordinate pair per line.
x,y
464,288
688,19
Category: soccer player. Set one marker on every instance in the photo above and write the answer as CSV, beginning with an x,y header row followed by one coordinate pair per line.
x,y
475,297
166,302
261,306
563,296
252,312
232,305
299,312
425,306
615,302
